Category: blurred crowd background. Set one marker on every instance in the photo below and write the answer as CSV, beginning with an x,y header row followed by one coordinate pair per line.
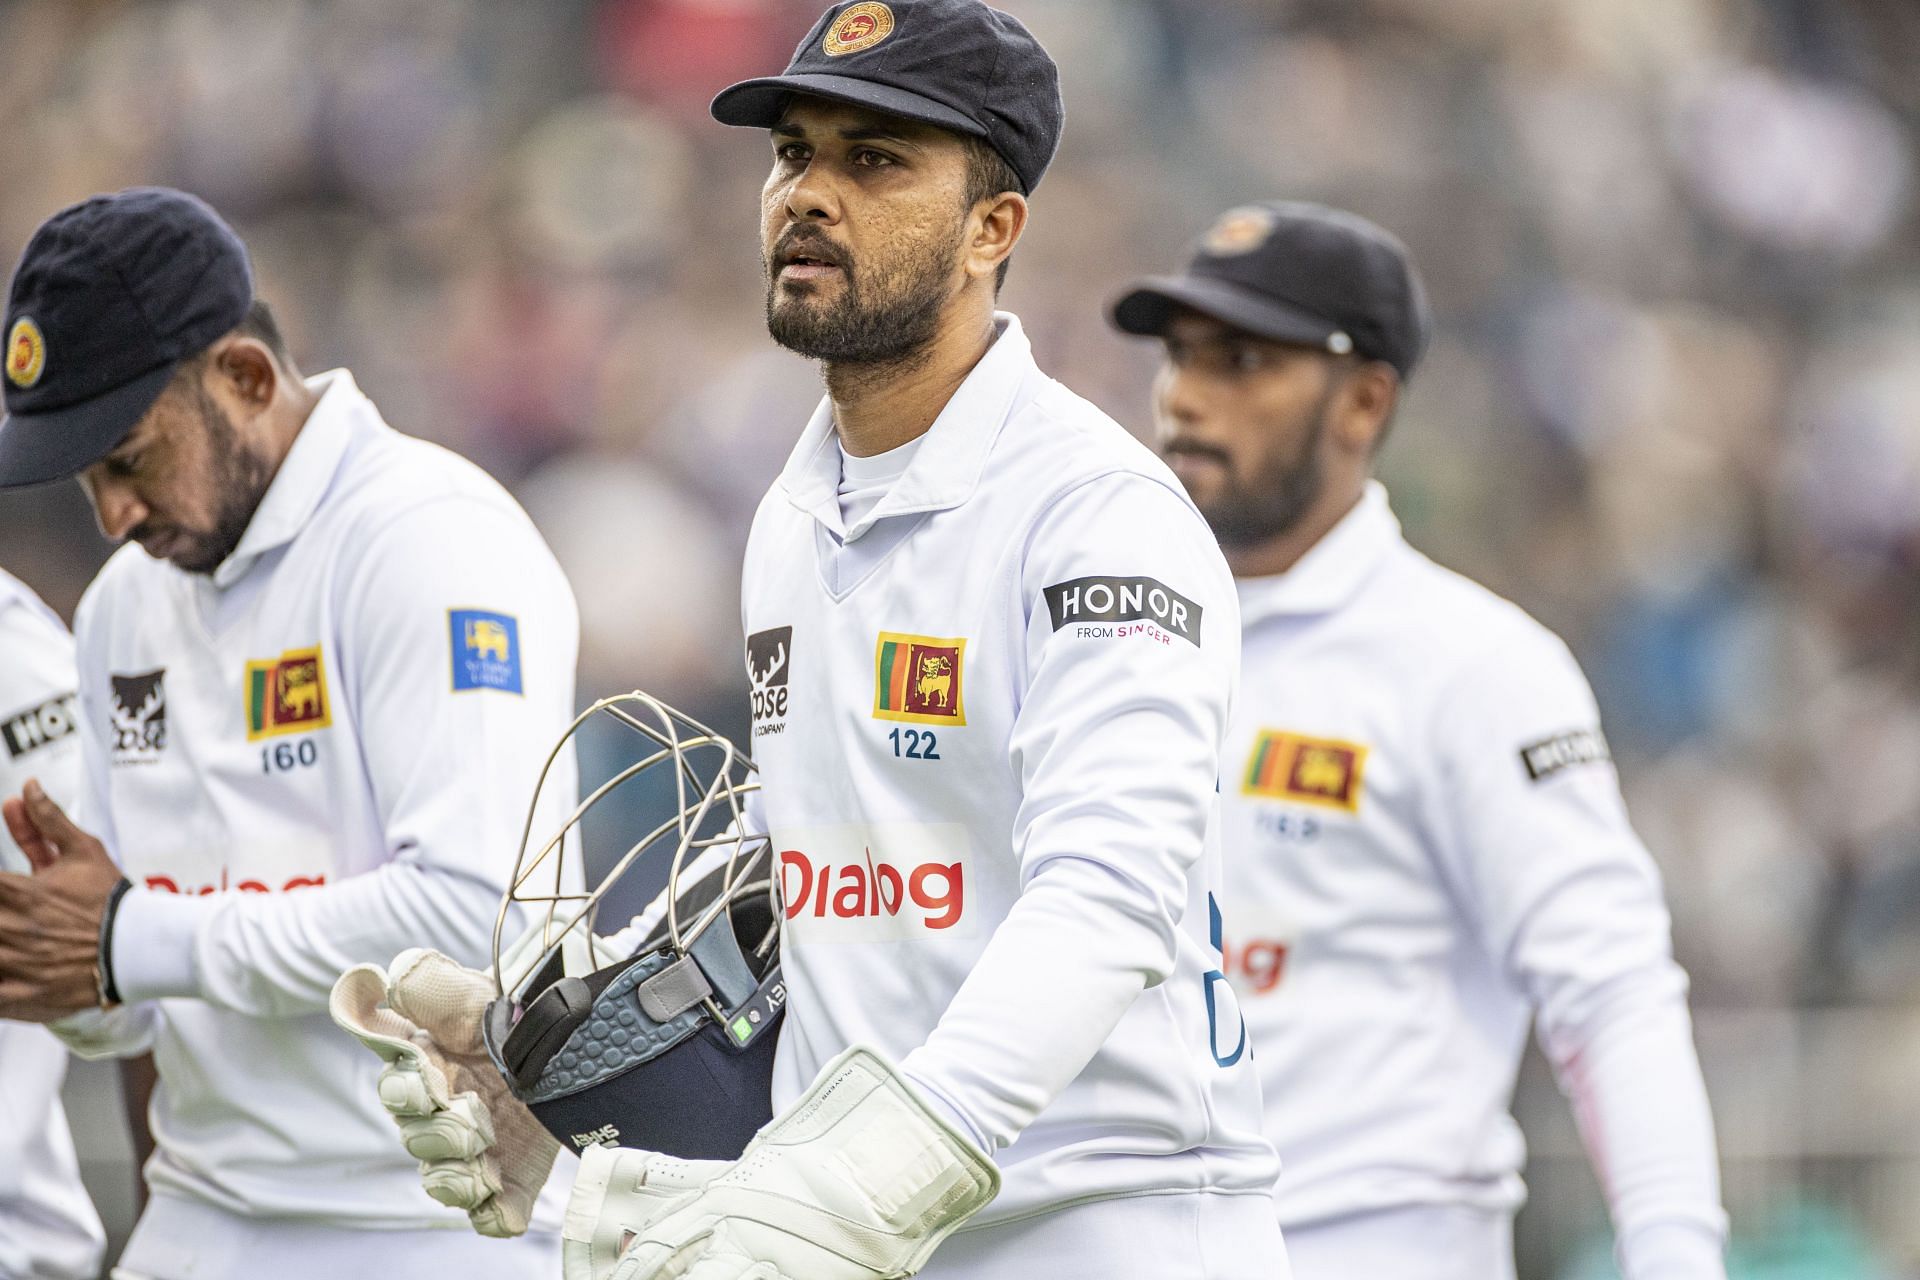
x,y
1673,408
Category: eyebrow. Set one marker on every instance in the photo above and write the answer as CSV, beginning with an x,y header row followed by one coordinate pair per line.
x,y
852,133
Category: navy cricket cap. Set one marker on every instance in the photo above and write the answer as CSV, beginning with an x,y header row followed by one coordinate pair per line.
x,y
953,63
1300,273
111,295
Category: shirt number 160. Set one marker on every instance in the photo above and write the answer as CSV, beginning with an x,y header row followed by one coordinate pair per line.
x,y
284,756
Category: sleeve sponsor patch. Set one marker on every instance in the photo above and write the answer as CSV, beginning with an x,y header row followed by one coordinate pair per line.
x,y
1564,751
1095,604
486,650
41,726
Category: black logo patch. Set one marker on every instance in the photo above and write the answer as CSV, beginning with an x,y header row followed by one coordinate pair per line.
x,y
139,717
1564,751
1089,603
767,655
36,727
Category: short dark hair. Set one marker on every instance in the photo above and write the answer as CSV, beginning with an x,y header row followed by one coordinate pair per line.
x,y
988,174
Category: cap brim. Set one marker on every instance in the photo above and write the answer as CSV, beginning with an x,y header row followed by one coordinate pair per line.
x,y
1149,307
758,104
36,448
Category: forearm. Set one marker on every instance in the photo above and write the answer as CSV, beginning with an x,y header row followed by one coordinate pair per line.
x,y
278,955
1633,1077
1008,1043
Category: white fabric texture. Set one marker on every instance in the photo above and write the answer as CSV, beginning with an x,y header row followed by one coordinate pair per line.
x,y
864,481
378,810
48,1228
1430,849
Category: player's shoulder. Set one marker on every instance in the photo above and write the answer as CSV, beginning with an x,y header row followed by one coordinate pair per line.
x,y
1073,454
25,618
129,575
1462,629
400,488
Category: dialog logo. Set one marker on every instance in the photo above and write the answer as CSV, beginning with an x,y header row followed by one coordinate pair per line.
x,y
891,882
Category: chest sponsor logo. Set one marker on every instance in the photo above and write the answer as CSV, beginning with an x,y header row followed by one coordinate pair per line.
x,y
1102,607
889,883
139,716
248,884
39,726
486,650
287,694
768,653
1292,766
1564,751
919,679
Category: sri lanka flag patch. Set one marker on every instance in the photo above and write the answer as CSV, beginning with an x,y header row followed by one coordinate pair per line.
x,y
918,679
287,694
1291,766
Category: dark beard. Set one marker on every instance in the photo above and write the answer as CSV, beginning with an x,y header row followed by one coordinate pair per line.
x,y
1277,499
240,480
879,321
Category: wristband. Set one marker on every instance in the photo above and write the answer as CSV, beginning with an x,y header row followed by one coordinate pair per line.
x,y
104,985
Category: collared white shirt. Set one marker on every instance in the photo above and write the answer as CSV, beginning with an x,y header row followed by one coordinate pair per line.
x,y
1427,847
988,721
319,755
48,1229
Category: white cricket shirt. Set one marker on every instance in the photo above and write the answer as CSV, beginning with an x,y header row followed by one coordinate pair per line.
x,y
988,718
319,755
1427,848
48,1229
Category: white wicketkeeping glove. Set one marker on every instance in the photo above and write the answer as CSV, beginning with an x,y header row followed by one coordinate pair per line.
x,y
615,1195
858,1180
479,1148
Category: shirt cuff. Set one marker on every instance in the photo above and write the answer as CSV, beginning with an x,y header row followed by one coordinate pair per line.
x,y
941,1107
1673,1251
154,940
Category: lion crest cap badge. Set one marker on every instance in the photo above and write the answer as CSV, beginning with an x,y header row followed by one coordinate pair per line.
x,y
860,27
26,353
1239,231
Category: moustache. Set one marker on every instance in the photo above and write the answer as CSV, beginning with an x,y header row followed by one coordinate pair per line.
x,y
1196,449
805,242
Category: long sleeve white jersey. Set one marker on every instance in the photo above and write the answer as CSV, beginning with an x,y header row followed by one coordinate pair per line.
x,y
319,755
48,1229
988,718
1426,847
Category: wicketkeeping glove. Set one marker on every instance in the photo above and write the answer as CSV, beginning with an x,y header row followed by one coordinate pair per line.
x,y
479,1148
618,1193
858,1180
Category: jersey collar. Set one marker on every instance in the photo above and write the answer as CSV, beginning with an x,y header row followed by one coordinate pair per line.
x,y
946,468
304,475
1333,569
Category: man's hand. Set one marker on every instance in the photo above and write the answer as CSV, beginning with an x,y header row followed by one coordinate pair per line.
x,y
616,1195
50,920
858,1180
479,1148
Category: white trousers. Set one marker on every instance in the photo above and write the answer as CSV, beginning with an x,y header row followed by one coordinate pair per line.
x,y
178,1239
1170,1237
1417,1242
